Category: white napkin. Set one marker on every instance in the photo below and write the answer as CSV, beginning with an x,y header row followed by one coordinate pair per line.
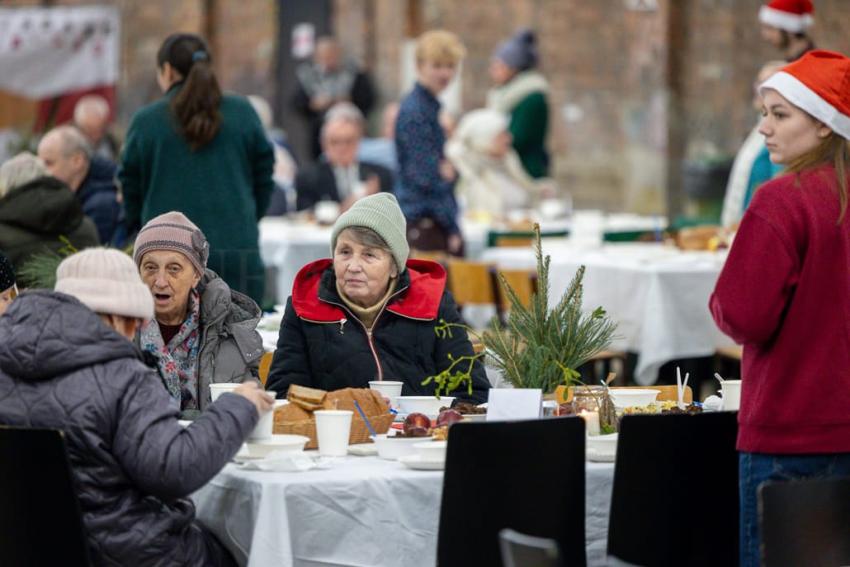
x,y
712,403
286,461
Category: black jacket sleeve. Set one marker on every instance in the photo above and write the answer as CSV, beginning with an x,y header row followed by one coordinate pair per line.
x,y
363,93
459,345
291,361
385,176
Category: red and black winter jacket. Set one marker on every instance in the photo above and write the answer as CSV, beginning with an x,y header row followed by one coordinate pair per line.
x,y
323,345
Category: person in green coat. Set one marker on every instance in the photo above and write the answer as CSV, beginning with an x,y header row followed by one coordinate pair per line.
x,y
204,154
521,93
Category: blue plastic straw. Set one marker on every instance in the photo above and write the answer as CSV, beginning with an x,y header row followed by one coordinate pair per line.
x,y
365,419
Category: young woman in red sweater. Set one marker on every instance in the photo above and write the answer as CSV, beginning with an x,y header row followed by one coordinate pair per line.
x,y
784,292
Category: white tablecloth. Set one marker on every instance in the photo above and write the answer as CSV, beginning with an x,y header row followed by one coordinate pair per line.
x,y
364,512
657,294
286,245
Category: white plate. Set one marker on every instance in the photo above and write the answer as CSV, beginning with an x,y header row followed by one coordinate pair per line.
x,y
474,416
415,462
363,450
259,449
600,456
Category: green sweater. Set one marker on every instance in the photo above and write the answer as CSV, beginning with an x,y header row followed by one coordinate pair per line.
x,y
529,123
224,187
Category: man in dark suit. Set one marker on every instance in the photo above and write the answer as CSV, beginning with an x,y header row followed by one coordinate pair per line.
x,y
338,176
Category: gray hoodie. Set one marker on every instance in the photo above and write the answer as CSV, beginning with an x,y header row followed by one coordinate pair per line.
x,y
133,464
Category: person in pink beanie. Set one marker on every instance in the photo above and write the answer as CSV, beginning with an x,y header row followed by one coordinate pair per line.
x,y
202,331
784,293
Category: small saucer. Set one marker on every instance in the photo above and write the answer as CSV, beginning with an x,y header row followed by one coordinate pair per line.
x,y
415,462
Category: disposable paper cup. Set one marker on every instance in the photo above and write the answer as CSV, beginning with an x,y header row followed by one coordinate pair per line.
x,y
731,391
263,429
386,388
218,389
332,430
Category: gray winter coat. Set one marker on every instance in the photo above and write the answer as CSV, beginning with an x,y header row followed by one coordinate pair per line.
x,y
133,464
230,348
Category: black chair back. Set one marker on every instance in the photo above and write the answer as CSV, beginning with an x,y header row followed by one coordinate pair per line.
x,y
805,522
40,522
520,550
675,496
524,475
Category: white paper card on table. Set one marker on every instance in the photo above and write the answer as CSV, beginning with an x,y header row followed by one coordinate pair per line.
x,y
506,404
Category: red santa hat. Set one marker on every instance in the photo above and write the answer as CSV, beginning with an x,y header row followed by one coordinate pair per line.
x,y
818,83
790,15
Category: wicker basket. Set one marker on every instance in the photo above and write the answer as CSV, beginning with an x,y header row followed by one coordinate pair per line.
x,y
298,421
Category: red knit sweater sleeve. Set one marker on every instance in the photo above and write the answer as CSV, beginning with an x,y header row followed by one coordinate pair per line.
x,y
758,279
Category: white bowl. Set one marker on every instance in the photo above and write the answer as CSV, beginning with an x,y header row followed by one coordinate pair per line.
x,y
259,449
632,397
431,451
602,443
429,405
392,449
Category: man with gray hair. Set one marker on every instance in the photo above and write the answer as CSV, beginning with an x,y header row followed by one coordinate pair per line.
x,y
91,117
338,175
68,157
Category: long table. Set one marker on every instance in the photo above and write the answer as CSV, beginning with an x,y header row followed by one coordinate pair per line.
x,y
657,294
363,512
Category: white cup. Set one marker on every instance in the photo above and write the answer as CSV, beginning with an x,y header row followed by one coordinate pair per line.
x,y
332,430
731,392
264,427
218,389
387,388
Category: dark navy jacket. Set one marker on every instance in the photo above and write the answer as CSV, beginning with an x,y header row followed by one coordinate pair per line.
x,y
98,195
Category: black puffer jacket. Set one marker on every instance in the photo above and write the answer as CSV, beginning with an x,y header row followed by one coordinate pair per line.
x,y
323,345
134,465
34,217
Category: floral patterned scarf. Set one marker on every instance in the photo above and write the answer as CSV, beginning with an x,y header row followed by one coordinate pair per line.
x,y
178,360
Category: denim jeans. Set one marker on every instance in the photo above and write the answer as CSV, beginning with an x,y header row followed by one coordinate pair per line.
x,y
757,468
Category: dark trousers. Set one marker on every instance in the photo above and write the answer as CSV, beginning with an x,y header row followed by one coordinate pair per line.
x,y
426,235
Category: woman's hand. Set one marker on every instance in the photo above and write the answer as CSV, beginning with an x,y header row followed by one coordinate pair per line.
x,y
262,400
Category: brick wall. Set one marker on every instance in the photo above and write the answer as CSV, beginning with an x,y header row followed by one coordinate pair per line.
x,y
633,92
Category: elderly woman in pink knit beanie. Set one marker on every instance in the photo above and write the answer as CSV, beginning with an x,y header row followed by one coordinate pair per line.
x,y
202,332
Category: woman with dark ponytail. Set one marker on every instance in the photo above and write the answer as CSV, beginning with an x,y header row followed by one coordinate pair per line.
x,y
205,154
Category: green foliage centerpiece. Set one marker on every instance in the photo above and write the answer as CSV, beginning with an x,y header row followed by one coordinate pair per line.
x,y
539,347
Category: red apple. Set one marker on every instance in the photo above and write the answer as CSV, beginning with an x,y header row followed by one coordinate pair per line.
x,y
417,425
448,417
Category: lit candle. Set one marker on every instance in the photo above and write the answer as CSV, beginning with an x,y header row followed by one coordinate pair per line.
x,y
591,421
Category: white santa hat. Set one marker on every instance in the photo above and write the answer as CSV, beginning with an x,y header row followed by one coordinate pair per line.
x,y
793,16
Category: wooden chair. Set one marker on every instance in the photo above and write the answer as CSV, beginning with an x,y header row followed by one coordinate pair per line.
x,y
40,520
733,352
265,366
564,395
523,282
471,282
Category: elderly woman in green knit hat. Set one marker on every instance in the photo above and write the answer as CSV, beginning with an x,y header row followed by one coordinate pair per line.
x,y
369,312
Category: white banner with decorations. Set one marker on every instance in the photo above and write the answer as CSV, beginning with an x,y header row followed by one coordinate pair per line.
x,y
45,52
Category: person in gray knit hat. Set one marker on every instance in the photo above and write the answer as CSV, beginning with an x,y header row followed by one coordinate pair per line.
x,y
202,332
67,362
381,307
521,92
